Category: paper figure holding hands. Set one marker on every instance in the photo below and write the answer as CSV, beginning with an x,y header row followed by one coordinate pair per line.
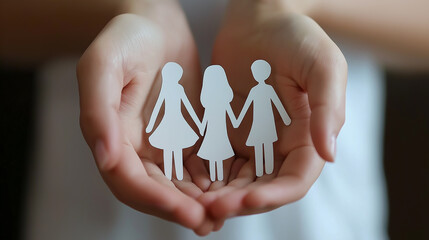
x,y
263,131
173,133
216,96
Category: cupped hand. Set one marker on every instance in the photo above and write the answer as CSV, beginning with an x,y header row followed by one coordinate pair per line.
x,y
309,75
119,80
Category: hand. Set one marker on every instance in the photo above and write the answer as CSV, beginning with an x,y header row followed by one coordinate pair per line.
x,y
118,84
309,74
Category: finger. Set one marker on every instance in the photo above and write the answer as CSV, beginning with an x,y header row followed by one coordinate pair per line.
x,y
132,185
297,174
208,199
326,87
100,85
229,204
226,171
205,228
198,172
236,166
188,187
227,201
218,225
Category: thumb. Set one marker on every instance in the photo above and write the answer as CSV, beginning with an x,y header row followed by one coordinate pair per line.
x,y
100,86
326,87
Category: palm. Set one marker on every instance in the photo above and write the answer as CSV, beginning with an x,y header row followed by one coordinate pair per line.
x,y
129,54
142,87
291,46
137,104
119,82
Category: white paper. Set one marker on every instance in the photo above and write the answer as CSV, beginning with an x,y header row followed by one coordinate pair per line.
x,y
174,134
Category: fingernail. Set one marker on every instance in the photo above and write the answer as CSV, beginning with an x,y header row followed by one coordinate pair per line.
x,y
333,147
100,153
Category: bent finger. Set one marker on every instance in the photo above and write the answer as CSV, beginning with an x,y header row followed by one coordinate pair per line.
x,y
100,86
297,174
326,87
130,183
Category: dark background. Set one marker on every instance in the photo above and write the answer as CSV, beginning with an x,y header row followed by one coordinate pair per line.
x,y
406,151
406,155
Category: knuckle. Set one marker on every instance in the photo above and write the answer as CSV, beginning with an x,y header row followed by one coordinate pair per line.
x,y
96,57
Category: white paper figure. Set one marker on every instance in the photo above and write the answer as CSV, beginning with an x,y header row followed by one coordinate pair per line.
x,y
173,133
263,131
216,96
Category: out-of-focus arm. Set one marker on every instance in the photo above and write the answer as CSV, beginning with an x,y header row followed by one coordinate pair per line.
x,y
33,31
398,26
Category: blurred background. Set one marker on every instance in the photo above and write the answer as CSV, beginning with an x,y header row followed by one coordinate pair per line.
x,y
38,40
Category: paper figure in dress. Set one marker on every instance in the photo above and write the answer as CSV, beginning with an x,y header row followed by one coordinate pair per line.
x,y
173,134
263,131
216,96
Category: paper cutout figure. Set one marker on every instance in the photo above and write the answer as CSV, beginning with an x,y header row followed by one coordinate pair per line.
x,y
216,96
173,133
263,131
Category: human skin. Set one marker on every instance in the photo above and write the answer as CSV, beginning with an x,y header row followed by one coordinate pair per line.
x,y
118,81
119,70
118,75
309,73
394,26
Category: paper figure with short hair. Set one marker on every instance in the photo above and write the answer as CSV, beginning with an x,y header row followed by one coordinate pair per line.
x,y
216,96
173,134
263,131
